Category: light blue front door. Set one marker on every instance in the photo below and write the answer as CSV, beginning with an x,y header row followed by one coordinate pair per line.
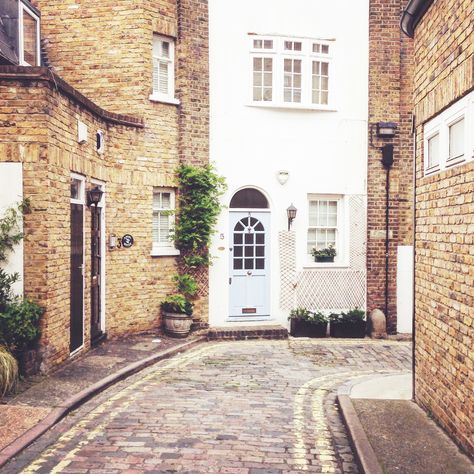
x,y
249,280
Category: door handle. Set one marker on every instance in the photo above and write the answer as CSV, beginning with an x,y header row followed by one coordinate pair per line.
x,y
230,281
249,273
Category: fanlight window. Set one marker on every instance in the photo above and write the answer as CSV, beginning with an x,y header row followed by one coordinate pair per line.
x,y
249,198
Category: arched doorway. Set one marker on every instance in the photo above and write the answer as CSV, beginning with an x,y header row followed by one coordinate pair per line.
x,y
249,278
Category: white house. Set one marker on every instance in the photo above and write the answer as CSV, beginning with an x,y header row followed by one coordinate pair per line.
x,y
289,111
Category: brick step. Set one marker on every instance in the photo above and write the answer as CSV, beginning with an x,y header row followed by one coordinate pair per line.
x,y
248,332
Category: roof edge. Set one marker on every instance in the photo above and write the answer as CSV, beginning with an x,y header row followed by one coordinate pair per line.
x,y
44,74
412,15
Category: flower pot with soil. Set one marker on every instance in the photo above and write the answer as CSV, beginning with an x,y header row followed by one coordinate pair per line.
x,y
348,325
304,323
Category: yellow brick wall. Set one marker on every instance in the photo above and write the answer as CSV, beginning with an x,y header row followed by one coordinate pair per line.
x,y
444,373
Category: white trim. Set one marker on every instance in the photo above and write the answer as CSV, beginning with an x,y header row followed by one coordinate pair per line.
x,y
103,234
164,248
81,200
21,53
164,99
164,252
156,95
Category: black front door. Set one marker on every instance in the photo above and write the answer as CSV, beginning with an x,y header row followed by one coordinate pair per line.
x,y
77,268
96,276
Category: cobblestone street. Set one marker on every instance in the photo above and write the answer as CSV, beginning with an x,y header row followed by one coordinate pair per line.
x,y
250,407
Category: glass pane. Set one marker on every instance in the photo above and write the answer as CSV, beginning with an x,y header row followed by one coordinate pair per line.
x,y
249,251
297,46
30,45
331,236
165,49
260,251
259,227
75,188
297,96
316,82
257,93
260,264
238,263
260,238
456,139
324,98
245,221
257,78
267,95
249,264
257,64
316,47
268,44
321,235
324,83
433,151
288,45
257,44
238,239
325,69
297,81
325,49
312,235
238,251
267,79
267,62
249,198
166,200
287,95
316,67
253,221
297,65
248,238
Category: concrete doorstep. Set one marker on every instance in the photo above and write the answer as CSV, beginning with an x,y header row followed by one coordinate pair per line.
x,y
390,434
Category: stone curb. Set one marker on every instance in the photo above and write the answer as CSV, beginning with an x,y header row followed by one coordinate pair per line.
x,y
366,458
23,441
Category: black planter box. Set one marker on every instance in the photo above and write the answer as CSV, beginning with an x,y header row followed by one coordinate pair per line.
x,y
302,328
346,329
323,259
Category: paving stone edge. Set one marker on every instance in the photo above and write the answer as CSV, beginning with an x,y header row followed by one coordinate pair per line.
x,y
23,441
365,456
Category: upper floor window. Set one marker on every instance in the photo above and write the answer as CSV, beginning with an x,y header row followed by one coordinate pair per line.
x,y
447,141
292,72
163,69
29,37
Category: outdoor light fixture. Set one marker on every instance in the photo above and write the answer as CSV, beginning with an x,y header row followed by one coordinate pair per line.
x,y
386,129
291,213
94,196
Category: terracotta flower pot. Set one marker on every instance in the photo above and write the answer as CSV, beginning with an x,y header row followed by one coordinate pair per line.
x,y
177,325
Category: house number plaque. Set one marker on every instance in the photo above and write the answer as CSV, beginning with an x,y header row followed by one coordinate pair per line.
x,y
127,241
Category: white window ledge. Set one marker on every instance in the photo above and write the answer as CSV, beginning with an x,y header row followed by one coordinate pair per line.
x,y
164,99
292,106
325,265
164,252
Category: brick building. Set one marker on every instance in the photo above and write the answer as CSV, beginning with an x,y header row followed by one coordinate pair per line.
x,y
108,95
389,233
444,216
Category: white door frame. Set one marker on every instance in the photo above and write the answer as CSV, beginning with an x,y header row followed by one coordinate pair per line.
x,y
254,212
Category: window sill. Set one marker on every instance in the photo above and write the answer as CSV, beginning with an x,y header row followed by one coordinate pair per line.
x,y
325,265
164,252
292,106
164,100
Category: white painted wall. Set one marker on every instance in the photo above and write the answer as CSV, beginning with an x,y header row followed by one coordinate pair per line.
x,y
11,193
405,289
324,151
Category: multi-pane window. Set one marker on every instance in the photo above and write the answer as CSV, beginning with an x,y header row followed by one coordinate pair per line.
x,y
448,138
456,139
29,37
291,72
323,224
292,80
163,217
163,67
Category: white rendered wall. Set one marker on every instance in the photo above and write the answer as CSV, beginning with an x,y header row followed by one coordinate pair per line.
x,y
325,152
11,194
405,289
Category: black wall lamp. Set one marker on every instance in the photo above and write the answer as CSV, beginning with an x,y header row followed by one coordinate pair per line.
x,y
386,129
291,213
94,196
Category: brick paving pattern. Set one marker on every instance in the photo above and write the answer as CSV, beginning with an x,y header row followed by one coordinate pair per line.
x,y
247,407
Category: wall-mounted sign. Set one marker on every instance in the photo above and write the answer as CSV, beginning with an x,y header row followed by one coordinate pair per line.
x,y
127,241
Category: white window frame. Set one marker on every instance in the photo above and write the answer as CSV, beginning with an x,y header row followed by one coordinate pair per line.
x,y
164,248
21,42
307,56
462,109
342,232
169,97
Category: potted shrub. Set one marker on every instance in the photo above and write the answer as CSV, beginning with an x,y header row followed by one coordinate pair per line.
x,y
324,255
177,315
305,323
350,324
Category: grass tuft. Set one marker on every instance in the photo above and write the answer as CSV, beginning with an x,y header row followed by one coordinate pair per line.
x,y
8,371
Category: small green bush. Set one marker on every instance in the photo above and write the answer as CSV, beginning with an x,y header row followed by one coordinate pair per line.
x,y
304,314
177,304
186,285
326,252
353,316
8,371
19,324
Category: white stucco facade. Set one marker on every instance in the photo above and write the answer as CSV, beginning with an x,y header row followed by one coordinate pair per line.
x,y
322,147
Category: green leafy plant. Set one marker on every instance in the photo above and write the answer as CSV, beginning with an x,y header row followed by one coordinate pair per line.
x,y
19,324
329,251
8,371
177,303
303,314
199,190
353,316
196,261
186,285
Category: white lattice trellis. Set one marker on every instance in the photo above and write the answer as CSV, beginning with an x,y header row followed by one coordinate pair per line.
x,y
326,288
287,246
